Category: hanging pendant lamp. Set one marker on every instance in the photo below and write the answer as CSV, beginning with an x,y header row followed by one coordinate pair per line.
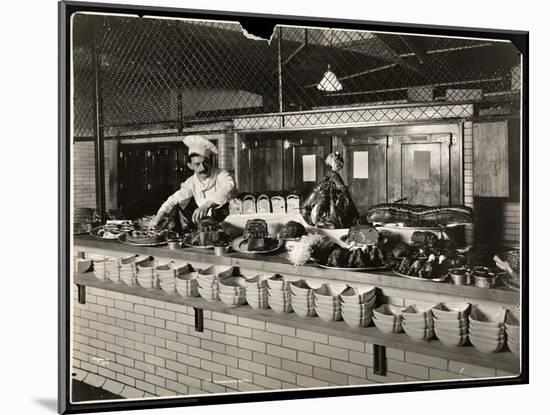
x,y
330,82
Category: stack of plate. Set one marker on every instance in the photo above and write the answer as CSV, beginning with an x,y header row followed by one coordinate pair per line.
x,y
511,325
301,298
187,285
451,323
232,291
418,322
122,269
388,318
357,305
256,291
167,274
486,331
328,305
147,277
100,267
278,294
208,281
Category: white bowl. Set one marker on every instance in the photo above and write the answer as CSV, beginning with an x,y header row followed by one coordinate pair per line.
x,y
457,331
168,288
278,283
487,316
388,328
257,282
334,315
419,323
189,276
301,288
486,346
415,312
451,311
452,340
257,304
490,332
304,311
357,295
388,313
208,294
281,308
418,334
187,291
279,293
369,305
354,321
450,324
146,283
216,272
329,292
303,301
232,300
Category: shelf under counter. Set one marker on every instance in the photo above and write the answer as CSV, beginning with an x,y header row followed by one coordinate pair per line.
x,y
277,263
505,361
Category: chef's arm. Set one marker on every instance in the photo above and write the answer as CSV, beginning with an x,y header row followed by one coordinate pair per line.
x,y
184,194
225,191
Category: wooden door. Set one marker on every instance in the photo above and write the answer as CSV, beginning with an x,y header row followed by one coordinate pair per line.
x,y
163,177
305,161
133,179
364,169
261,164
422,168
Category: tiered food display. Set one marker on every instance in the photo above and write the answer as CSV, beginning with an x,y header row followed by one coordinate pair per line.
x,y
256,238
208,234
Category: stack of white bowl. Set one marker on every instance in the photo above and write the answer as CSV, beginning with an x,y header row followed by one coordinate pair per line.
x,y
187,285
487,331
278,294
357,305
100,267
451,323
208,281
146,276
328,305
513,333
418,322
81,265
301,298
388,318
122,269
256,291
167,274
232,291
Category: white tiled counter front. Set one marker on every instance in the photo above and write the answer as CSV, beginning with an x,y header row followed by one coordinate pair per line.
x,y
137,342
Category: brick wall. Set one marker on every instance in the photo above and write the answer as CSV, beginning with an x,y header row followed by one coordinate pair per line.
x,y
84,174
139,347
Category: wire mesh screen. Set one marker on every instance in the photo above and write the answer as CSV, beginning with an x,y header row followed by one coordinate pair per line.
x,y
184,73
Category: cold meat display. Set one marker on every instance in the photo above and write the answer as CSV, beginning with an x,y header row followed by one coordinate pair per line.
x,y
330,205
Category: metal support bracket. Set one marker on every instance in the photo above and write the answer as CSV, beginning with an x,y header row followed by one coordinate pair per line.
x,y
81,293
199,319
379,360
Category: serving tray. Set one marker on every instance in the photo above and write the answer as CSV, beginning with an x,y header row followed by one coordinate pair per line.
x,y
238,242
122,239
439,279
352,269
93,234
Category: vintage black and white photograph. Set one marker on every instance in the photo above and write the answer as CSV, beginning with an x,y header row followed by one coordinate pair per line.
x,y
290,208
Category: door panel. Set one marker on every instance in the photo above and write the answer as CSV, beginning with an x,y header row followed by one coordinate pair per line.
x,y
261,164
422,169
310,150
365,169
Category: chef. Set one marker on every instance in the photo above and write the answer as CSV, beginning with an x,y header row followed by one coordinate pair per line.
x,y
210,187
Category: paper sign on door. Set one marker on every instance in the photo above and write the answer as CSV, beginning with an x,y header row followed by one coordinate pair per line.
x,y
360,164
308,168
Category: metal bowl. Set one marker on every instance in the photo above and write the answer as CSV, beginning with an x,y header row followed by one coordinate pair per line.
x,y
460,276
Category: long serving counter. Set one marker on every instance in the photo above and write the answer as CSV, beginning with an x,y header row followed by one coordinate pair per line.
x,y
161,344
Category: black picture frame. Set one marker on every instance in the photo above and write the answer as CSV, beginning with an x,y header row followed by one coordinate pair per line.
x,y
260,24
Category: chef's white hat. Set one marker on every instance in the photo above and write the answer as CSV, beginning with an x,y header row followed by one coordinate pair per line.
x,y
199,145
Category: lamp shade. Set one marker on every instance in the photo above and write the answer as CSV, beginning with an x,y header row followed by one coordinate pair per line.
x,y
330,82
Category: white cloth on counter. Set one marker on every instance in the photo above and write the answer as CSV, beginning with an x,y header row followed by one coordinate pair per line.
x,y
219,187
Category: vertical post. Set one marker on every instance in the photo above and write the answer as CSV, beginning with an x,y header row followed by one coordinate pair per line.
x,y
379,360
99,151
280,71
180,109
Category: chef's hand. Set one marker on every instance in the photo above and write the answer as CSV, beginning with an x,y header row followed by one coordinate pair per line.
x,y
154,222
201,212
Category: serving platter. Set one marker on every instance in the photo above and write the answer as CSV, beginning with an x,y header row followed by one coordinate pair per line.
x,y
386,266
187,242
237,245
438,279
122,239
93,234
420,228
